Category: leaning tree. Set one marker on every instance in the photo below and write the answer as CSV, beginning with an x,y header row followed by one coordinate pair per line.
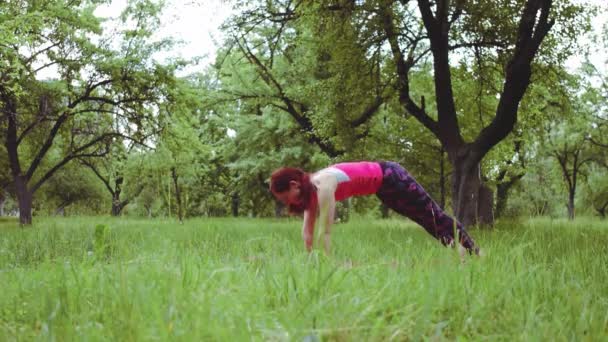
x,y
103,84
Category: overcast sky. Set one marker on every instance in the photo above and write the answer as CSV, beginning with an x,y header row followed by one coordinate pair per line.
x,y
188,21
198,26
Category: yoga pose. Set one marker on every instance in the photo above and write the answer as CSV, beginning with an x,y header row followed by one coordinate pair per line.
x,y
305,193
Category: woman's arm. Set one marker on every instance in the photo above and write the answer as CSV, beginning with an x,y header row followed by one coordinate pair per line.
x,y
326,184
308,227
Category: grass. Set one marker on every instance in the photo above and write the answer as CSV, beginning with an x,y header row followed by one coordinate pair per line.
x,y
250,279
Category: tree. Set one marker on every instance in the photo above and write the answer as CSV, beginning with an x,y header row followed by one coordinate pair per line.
x,y
112,169
572,154
459,40
67,187
597,190
103,90
482,30
276,57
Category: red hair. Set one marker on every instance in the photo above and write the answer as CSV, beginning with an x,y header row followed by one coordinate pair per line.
x,y
279,182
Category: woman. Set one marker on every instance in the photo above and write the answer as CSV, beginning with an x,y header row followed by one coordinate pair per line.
x,y
395,187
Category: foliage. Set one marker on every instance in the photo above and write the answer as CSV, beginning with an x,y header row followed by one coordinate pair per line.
x,y
104,86
72,187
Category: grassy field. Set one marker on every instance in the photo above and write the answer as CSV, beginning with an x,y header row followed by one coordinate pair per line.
x,y
250,279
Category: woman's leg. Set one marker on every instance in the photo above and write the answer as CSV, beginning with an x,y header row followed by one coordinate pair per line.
x,y
401,192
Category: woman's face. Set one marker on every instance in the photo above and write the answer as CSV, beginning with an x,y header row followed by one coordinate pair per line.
x,y
290,197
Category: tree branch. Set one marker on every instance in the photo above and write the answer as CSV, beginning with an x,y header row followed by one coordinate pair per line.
x,y
47,145
517,76
75,154
302,120
403,69
105,181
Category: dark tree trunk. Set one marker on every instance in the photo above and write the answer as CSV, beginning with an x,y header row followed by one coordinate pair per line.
x,y
485,208
570,174
178,196
117,205
24,194
570,205
24,199
502,194
465,193
235,204
602,210
442,178
472,200
61,208
534,24
2,202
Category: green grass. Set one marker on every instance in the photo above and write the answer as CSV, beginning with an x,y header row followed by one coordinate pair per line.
x,y
249,279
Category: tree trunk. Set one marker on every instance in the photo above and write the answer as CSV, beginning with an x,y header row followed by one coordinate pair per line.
x,y
24,198
148,210
178,196
502,196
570,204
61,209
442,179
472,200
116,204
485,208
2,202
602,211
235,204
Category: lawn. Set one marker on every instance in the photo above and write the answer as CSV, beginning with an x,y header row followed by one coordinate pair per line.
x,y
250,279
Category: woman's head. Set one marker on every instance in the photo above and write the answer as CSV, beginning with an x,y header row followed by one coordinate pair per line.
x,y
292,186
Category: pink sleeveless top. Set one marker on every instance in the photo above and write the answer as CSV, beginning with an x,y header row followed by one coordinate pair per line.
x,y
356,178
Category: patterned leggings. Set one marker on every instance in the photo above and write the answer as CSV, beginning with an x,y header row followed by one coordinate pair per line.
x,y
400,192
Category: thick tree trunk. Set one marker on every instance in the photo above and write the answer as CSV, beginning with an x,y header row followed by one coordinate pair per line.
x,y
472,200
442,179
502,196
24,198
502,190
485,208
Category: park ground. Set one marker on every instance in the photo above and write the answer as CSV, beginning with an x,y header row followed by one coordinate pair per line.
x,y
122,279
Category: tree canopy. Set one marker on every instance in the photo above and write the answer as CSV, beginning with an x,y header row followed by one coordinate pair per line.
x,y
474,98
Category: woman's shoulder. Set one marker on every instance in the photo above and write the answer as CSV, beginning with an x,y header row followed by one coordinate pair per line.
x,y
324,177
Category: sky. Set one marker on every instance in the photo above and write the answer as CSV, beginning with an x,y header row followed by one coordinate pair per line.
x,y
198,27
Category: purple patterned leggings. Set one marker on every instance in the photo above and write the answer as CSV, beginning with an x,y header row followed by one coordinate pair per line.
x,y
400,192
